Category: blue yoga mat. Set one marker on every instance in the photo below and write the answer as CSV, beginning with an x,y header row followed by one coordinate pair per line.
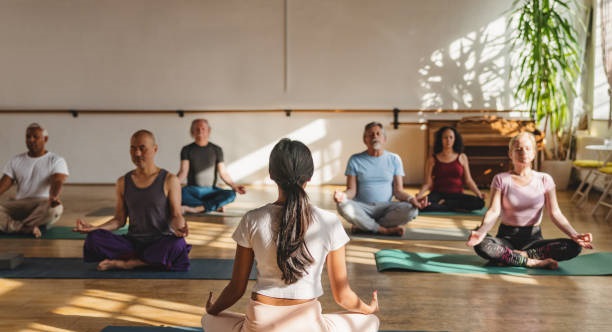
x,y
181,329
597,264
75,268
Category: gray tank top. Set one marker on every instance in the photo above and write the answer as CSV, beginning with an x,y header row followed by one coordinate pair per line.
x,y
148,209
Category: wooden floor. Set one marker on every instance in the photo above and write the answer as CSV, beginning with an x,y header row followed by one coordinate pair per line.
x,y
408,301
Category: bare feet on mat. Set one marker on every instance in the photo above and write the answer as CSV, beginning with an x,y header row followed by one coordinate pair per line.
x,y
391,231
192,209
117,264
547,263
357,230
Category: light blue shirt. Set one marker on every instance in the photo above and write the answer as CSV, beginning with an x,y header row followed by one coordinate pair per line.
x,y
374,175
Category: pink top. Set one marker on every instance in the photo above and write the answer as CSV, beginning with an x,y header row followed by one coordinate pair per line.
x,y
522,205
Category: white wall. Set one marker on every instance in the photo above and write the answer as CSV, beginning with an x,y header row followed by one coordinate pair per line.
x,y
257,54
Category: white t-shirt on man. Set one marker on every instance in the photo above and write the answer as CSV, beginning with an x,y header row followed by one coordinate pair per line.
x,y
32,175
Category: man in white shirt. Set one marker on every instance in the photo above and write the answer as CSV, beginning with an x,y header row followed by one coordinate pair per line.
x,y
39,176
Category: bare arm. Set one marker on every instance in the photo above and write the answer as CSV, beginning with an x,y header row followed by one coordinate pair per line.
x,y
467,176
183,171
243,262
427,185
557,217
57,180
489,219
5,183
112,224
228,179
350,192
178,225
343,294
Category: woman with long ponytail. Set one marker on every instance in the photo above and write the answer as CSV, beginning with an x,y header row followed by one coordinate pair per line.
x,y
290,240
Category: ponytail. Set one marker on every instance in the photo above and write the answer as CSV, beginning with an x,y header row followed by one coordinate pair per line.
x,y
290,167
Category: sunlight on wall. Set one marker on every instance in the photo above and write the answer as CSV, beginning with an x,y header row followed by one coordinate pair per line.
x,y
481,57
308,134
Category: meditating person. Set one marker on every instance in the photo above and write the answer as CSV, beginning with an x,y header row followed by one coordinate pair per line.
x,y
290,240
519,197
373,178
39,175
201,162
150,197
447,172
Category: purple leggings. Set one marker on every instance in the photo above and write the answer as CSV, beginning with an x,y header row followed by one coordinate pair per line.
x,y
169,252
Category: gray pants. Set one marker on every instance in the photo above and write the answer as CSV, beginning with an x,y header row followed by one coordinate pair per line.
x,y
369,216
20,216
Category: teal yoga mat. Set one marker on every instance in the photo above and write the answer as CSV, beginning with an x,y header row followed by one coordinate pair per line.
x,y
180,329
75,268
597,264
480,212
57,233
423,234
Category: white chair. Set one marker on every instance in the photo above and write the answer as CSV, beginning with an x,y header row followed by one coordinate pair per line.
x,y
584,188
605,199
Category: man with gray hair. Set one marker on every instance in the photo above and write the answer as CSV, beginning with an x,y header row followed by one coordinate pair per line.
x,y
373,178
201,163
39,176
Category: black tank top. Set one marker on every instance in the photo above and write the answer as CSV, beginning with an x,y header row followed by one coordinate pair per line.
x,y
148,209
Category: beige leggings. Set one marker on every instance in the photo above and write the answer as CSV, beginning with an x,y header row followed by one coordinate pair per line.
x,y
20,216
305,317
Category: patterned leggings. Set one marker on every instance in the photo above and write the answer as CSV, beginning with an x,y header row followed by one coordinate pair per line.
x,y
500,249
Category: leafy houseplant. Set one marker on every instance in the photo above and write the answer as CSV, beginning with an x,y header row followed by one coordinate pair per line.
x,y
548,66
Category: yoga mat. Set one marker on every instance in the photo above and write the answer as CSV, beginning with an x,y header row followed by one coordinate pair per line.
x,y
57,233
480,212
75,268
596,264
423,234
180,329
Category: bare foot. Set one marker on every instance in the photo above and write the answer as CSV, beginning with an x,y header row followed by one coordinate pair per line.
x,y
192,209
111,264
357,230
392,231
221,209
36,232
547,263
117,264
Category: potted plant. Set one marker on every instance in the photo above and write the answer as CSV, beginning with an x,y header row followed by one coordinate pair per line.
x,y
545,39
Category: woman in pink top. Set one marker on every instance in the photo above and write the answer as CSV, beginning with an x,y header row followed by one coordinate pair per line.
x,y
519,197
446,173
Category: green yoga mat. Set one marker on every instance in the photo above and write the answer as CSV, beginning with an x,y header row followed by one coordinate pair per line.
x,y
423,234
57,233
75,268
597,264
480,212
181,329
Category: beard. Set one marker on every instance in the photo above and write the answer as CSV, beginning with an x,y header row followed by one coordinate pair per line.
x,y
376,145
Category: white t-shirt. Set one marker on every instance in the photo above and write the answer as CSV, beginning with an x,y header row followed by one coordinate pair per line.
x,y
255,231
32,174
